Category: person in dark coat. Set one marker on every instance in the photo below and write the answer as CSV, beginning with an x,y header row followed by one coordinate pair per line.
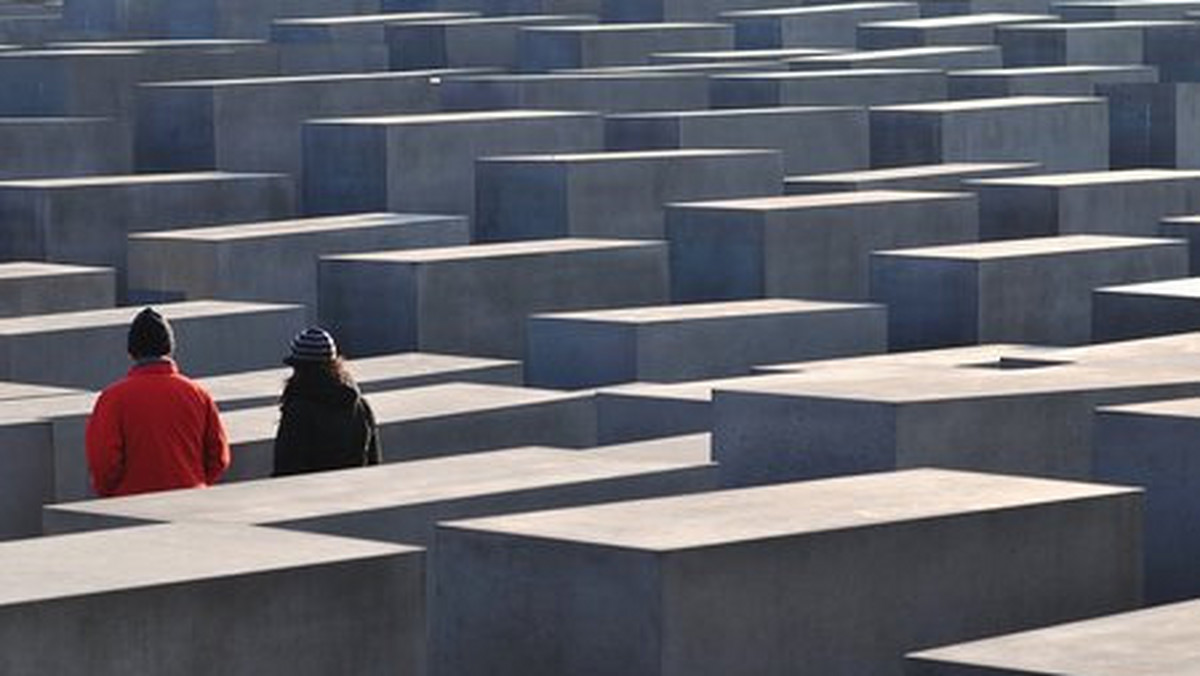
x,y
326,422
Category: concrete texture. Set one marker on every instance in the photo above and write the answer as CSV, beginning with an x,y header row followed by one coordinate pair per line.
x,y
946,177
1125,202
806,246
543,48
610,194
474,300
68,82
465,42
161,60
833,25
1035,291
766,57
1148,309
764,579
1154,125
1092,42
45,288
39,147
278,603
1185,228
694,341
936,57
224,261
402,502
1060,133
1152,445
1123,10
202,18
854,87
967,29
936,8
1159,640
354,43
426,163
811,138
86,220
1045,81
607,92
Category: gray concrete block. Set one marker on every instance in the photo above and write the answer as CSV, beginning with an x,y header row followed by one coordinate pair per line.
x,y
659,575
254,124
947,177
1160,640
1044,80
160,60
811,138
226,261
1147,309
68,82
435,421
832,25
402,502
1152,445
465,42
765,56
965,29
1060,133
606,92
211,336
935,8
672,10
855,87
1092,42
642,411
1126,202
332,44
694,341
543,48
814,247
39,147
474,300
298,603
1175,52
1124,10
936,57
46,288
86,219
1154,125
610,194
1185,228
1036,291
425,163
202,18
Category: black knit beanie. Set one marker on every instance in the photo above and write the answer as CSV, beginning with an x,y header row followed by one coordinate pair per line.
x,y
150,335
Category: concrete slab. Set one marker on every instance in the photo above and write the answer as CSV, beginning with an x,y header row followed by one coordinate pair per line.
x,y
426,163
694,341
543,48
1149,309
663,569
965,29
1173,52
854,87
43,288
68,82
1154,125
353,43
611,92
201,19
1077,80
466,42
1036,291
1123,10
167,59
946,177
937,57
1185,228
1060,133
804,246
1124,202
1090,42
766,56
833,25
936,8
474,300
225,261
811,138
39,147
610,194
313,603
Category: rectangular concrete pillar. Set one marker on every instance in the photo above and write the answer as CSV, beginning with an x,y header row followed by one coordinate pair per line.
x,y
1147,309
45,288
814,247
1065,43
855,87
333,44
946,177
474,300
1076,80
965,29
606,92
465,42
936,57
544,48
833,25
40,147
1154,125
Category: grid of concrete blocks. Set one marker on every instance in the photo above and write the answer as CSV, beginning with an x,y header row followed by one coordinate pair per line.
x,y
705,337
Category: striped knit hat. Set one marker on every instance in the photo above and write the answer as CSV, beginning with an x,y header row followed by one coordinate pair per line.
x,y
313,345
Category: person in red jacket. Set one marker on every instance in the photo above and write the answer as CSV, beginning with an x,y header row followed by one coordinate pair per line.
x,y
154,430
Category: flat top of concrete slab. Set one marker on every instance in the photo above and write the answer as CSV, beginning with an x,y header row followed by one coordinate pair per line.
x,y
631,155
455,118
27,269
971,355
836,74
1085,178
693,390
971,105
189,43
579,77
1125,3
30,121
41,409
85,564
388,486
1182,220
521,19
500,250
917,171
826,200
1170,408
629,27
953,21
391,17
722,113
285,228
748,54
1075,69
409,405
794,509
813,9
698,68
1033,246
693,311
695,448
323,78
1160,641
24,391
1187,288
134,179
899,52
67,53
1135,24
121,316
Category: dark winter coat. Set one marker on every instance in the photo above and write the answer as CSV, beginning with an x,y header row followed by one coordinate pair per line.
x,y
325,425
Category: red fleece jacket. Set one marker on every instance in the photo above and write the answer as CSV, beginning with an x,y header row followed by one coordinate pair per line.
x,y
155,430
